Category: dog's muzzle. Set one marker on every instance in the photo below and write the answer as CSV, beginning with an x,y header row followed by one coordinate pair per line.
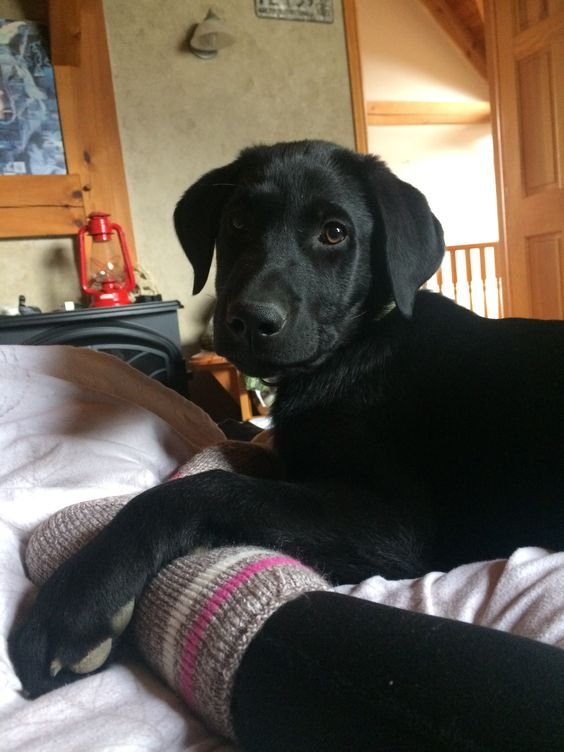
x,y
265,339
255,324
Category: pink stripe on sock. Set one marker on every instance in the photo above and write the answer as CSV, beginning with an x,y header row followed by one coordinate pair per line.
x,y
195,637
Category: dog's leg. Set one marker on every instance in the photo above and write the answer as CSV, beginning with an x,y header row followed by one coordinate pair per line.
x,y
80,611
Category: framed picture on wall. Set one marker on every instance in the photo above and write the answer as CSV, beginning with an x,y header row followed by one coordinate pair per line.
x,y
31,141
296,10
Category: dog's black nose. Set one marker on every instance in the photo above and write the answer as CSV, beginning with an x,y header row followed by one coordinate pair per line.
x,y
252,320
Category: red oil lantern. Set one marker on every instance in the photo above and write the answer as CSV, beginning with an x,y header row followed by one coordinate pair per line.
x,y
106,274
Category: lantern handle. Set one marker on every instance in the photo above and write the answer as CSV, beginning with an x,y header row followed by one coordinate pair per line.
x,y
125,253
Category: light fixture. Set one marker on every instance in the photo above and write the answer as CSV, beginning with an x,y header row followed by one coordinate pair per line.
x,y
210,36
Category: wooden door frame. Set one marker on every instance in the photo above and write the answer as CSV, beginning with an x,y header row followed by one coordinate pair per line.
x,y
493,81
350,21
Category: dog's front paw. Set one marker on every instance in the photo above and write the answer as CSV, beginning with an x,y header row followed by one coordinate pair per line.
x,y
71,629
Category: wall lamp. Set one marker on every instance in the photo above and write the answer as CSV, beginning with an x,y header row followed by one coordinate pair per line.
x,y
210,36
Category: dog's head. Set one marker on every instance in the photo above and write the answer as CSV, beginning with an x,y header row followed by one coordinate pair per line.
x,y
313,241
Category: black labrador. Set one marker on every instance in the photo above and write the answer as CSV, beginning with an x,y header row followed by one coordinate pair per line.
x,y
414,433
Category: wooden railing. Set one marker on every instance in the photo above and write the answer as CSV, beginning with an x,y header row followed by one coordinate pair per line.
x,y
473,276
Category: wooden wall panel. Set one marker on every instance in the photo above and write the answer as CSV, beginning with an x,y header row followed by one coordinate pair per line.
x,y
528,12
537,122
546,274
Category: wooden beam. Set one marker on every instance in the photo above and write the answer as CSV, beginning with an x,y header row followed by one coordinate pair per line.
x,y
90,125
40,221
471,48
31,203
427,113
350,21
40,190
65,32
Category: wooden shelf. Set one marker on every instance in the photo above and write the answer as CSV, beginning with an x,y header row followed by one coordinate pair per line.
x,y
427,113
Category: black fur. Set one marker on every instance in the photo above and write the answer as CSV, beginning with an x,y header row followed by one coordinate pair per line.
x,y
414,433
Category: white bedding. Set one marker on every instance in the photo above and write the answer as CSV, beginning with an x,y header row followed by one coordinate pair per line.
x,y
75,425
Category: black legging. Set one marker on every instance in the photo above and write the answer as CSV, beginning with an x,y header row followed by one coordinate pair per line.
x,y
332,672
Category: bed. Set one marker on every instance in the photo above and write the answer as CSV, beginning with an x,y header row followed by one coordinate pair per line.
x,y
75,425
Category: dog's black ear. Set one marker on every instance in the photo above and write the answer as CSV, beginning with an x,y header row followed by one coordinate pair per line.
x,y
197,216
414,236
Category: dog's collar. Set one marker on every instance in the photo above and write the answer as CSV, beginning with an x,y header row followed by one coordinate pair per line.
x,y
386,310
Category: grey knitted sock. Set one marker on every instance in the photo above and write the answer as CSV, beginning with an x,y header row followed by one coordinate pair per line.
x,y
199,615
68,530
196,618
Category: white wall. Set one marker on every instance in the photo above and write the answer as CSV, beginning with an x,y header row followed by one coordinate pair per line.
x,y
406,56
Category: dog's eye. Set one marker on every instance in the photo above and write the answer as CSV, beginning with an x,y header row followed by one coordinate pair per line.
x,y
236,221
333,233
